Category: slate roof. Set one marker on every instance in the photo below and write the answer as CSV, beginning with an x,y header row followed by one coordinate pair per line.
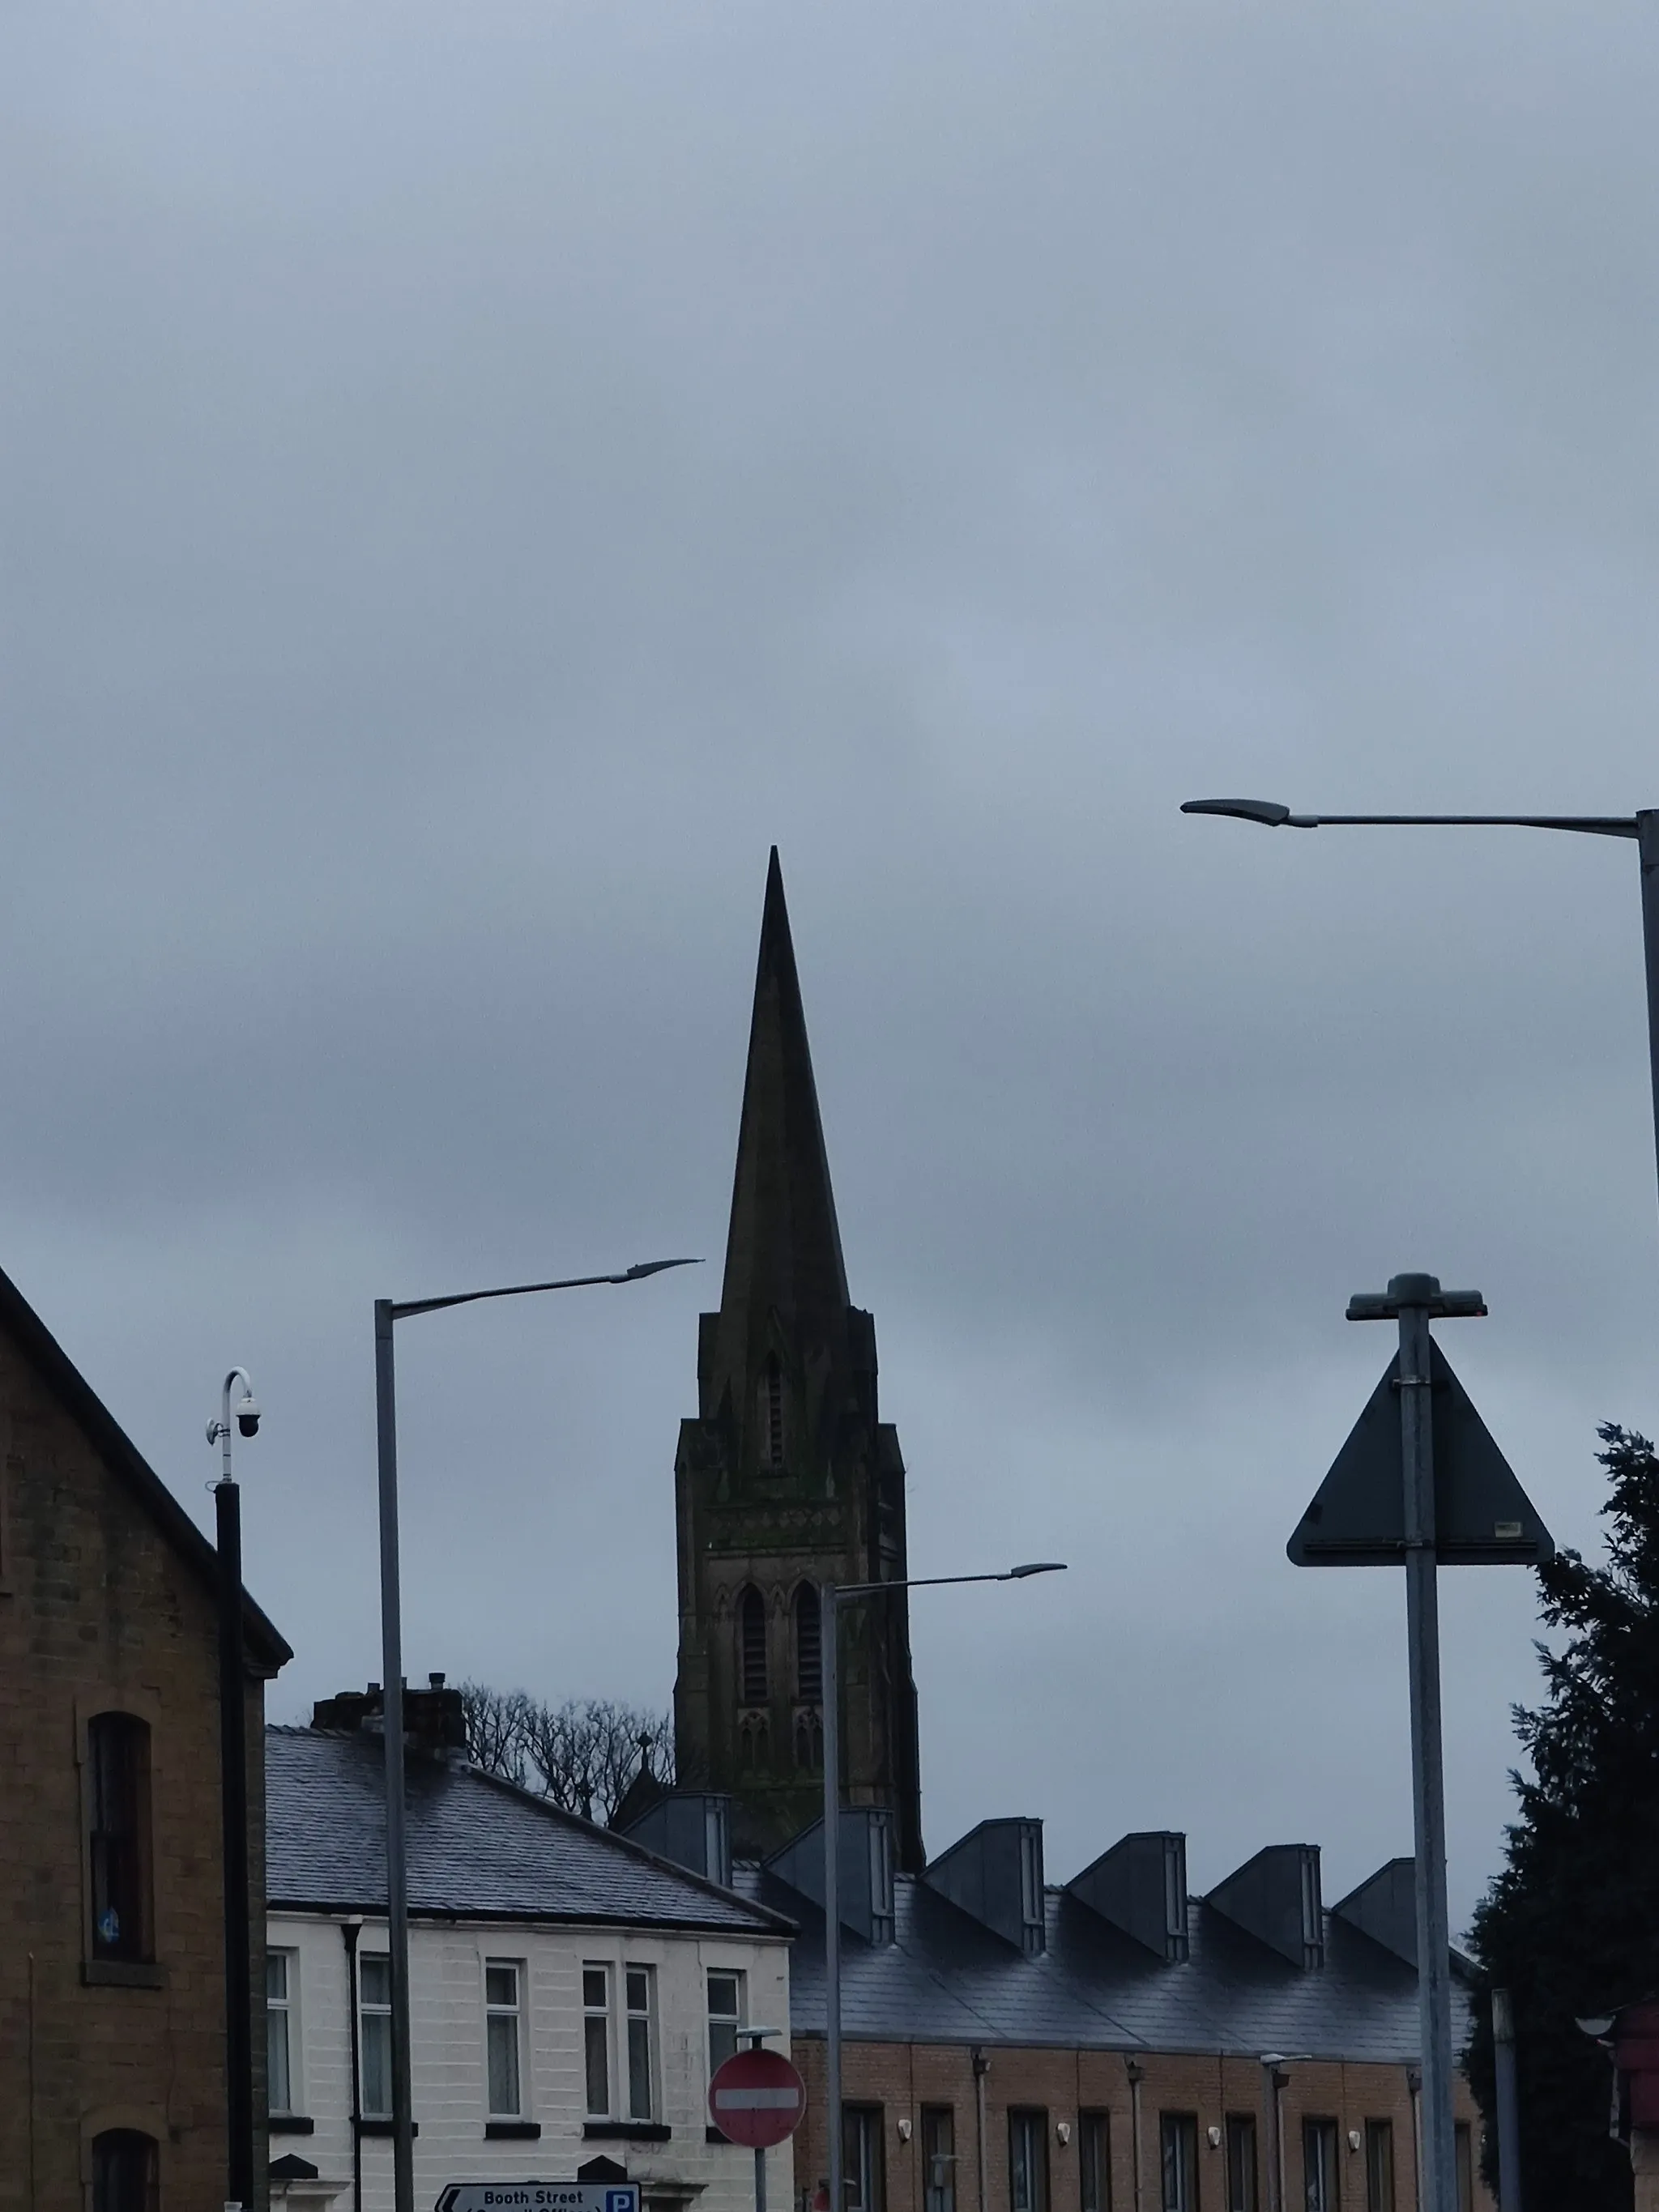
x,y
478,1848
945,1978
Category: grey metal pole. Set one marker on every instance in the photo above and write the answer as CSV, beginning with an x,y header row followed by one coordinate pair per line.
x,y
1428,1775
1647,834
233,1760
1509,2109
829,1636
391,1664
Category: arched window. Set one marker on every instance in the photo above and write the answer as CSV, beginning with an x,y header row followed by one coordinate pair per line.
x,y
118,1757
752,1648
808,1743
126,2172
772,1409
809,1646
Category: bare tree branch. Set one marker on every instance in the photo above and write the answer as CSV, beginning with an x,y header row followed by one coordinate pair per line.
x,y
583,1755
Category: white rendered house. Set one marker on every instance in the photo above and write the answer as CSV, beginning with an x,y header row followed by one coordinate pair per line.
x,y
570,1991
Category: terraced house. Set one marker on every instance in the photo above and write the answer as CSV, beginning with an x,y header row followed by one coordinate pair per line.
x,y
570,1991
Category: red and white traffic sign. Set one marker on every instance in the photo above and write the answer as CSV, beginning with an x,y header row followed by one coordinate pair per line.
x,y
757,2098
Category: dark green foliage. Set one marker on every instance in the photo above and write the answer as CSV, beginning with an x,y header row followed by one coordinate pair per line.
x,y
1571,1925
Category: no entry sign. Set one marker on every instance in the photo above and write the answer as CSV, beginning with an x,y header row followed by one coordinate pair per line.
x,y
757,2098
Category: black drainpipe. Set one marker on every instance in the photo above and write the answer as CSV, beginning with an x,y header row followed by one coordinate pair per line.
x,y
351,1929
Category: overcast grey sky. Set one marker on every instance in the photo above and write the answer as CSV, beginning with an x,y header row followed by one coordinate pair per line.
x,y
475,477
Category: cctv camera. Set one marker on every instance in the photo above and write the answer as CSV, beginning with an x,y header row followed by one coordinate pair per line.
x,y
247,1416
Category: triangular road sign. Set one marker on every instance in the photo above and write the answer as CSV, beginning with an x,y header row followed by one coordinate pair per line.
x,y
1482,1516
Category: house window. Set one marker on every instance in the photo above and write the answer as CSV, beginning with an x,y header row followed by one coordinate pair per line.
x,y
751,1646
282,2037
809,1646
939,2159
1028,2161
1178,2132
1241,2184
1379,2165
1463,2148
860,2155
596,2039
118,1752
725,2017
374,2034
1094,2162
638,1981
125,2172
1319,2168
772,1407
503,1989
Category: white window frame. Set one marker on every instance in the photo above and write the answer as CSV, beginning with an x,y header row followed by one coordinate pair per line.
x,y
629,2015
493,2011
734,2022
591,2012
288,2005
366,2012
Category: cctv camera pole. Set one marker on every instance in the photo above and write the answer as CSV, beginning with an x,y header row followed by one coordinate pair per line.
x,y
388,1311
832,1597
233,1793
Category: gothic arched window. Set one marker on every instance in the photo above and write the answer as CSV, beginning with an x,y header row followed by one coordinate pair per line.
x,y
772,1409
752,1647
809,1645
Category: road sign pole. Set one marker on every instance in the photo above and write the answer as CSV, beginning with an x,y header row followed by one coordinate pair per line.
x,y
1428,1773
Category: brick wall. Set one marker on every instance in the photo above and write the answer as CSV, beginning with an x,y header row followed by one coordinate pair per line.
x,y
901,2078
99,1610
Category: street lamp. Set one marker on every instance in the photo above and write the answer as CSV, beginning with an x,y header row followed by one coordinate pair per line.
x,y
233,1798
1642,826
386,1311
834,1596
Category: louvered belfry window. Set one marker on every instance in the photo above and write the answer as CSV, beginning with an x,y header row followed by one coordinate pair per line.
x,y
809,1646
772,1402
751,1646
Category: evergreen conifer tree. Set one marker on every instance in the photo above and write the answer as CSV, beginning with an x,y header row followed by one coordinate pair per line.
x,y
1571,1927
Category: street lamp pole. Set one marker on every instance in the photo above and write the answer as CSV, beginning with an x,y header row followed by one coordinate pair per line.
x,y
1642,826
232,1800
832,1597
388,1311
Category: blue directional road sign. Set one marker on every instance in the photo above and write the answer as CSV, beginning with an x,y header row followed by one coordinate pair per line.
x,y
540,2196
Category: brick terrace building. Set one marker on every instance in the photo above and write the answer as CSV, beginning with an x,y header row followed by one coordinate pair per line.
x,y
111,1960
1113,2046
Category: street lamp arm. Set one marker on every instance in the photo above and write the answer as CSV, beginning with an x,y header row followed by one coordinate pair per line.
x,y
1273,816
402,1310
846,1590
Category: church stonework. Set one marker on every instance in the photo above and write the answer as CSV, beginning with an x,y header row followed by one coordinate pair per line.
x,y
788,1479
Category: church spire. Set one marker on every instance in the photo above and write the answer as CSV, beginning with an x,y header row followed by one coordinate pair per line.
x,y
783,1249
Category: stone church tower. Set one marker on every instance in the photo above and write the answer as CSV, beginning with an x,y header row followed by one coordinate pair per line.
x,y
788,1479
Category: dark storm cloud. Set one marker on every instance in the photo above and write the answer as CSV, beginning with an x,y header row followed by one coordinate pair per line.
x,y
475,478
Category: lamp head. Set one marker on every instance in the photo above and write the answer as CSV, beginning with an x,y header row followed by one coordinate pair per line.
x,y
1035,1567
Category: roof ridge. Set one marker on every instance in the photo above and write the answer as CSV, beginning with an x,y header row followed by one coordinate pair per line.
x,y
116,1448
627,1843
